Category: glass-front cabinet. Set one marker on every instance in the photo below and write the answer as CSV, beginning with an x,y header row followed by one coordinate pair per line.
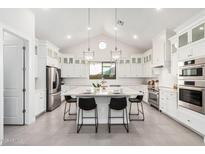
x,y
192,35
183,39
198,33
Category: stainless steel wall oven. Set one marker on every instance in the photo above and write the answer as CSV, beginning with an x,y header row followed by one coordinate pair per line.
x,y
192,69
192,85
192,97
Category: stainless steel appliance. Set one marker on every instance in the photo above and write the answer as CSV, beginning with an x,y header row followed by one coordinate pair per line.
x,y
192,95
192,69
53,85
153,97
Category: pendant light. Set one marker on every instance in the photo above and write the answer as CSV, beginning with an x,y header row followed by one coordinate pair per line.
x,y
88,55
116,53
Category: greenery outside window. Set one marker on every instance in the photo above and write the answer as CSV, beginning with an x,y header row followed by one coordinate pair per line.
x,y
102,70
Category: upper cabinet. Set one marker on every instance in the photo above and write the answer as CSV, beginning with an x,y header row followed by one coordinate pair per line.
x,y
174,60
161,49
147,63
183,39
73,67
198,33
50,53
191,42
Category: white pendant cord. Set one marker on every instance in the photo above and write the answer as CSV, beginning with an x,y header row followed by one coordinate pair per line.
x,y
88,29
115,29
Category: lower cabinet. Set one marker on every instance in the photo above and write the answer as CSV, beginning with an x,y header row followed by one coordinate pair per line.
x,y
168,102
168,105
40,102
192,119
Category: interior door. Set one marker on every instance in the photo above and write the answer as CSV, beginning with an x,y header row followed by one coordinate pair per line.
x,y
14,84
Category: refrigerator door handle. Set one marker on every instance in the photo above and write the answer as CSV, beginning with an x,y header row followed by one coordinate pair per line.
x,y
57,80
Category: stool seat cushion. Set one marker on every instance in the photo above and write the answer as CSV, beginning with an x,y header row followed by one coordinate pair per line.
x,y
118,103
72,100
87,103
137,99
134,100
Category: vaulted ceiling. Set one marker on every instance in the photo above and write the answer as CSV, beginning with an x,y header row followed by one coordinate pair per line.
x,y
55,24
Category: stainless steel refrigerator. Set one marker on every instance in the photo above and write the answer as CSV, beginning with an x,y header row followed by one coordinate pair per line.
x,y
53,86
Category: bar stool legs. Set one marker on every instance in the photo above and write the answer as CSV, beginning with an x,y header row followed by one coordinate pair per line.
x,y
80,112
68,112
139,112
124,124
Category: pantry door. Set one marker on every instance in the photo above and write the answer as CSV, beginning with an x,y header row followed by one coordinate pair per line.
x,y
14,83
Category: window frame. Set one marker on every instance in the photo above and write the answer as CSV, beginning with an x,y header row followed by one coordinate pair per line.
x,y
102,74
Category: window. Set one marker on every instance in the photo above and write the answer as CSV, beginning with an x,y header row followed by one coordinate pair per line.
x,y
100,70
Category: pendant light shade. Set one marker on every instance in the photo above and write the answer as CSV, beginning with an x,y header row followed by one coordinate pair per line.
x,y
116,53
88,54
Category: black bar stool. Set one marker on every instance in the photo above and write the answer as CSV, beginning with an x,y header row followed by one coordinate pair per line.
x,y
87,104
118,104
69,100
137,100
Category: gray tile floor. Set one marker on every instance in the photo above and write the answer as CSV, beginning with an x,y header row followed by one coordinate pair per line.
x,y
50,129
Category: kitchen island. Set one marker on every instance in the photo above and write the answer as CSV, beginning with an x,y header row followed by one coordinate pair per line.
x,y
102,98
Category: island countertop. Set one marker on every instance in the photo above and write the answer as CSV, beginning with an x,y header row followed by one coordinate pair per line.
x,y
108,91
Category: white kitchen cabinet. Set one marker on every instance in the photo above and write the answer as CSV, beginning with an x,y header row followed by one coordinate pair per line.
x,y
50,52
136,67
168,102
130,67
192,119
124,68
169,106
161,49
192,51
185,53
198,49
183,39
147,63
74,68
40,102
174,56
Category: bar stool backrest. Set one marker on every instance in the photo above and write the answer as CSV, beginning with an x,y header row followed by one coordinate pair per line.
x,y
67,98
118,103
139,98
87,103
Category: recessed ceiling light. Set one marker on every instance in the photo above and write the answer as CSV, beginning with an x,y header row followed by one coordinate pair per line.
x,y
115,28
68,36
135,37
89,28
158,9
201,28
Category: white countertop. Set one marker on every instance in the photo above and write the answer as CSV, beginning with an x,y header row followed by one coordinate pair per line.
x,y
109,91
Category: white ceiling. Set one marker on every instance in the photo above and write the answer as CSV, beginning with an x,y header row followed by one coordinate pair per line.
x,y
55,24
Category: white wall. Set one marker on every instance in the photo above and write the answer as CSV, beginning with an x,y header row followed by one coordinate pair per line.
x,y
102,55
22,23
